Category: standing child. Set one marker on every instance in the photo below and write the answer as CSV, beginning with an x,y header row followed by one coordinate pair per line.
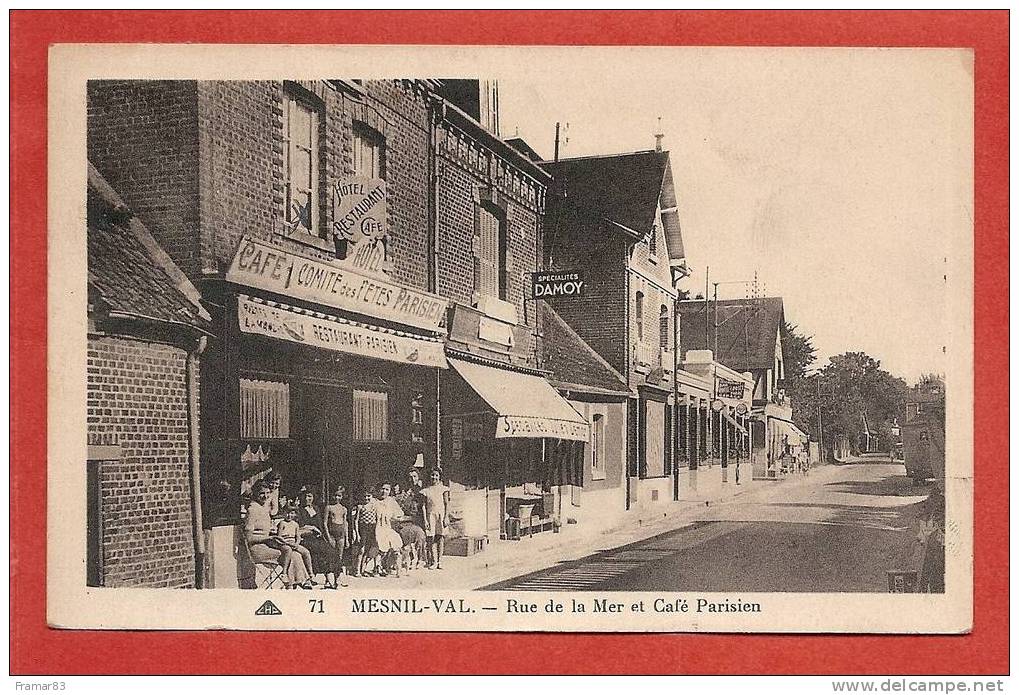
x,y
362,529
289,531
435,504
337,534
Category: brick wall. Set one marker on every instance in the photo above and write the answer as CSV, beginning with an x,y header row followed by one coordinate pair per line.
x,y
468,174
137,395
143,138
599,316
201,163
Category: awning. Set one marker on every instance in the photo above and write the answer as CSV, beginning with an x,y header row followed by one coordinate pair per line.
x,y
794,435
733,422
296,325
526,404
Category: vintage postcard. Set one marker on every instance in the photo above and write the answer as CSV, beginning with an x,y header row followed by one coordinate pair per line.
x,y
510,338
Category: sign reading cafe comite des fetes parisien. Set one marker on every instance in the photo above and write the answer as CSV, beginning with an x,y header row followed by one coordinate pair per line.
x,y
330,334
269,267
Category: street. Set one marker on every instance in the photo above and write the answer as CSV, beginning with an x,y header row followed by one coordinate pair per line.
x,y
838,529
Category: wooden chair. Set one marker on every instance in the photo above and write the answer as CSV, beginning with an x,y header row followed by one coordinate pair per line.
x,y
266,574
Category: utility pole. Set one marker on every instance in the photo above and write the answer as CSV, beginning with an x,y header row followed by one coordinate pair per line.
x,y
707,274
714,349
820,428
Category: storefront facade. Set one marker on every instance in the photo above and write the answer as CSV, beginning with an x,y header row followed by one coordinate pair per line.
x,y
726,413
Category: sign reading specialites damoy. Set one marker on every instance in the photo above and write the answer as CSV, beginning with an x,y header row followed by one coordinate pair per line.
x,y
269,267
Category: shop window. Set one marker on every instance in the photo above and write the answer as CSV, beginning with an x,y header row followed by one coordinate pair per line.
x,y
265,409
371,416
663,328
491,277
598,447
640,316
654,438
301,160
369,153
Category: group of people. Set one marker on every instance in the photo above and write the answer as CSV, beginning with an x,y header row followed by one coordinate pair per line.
x,y
388,530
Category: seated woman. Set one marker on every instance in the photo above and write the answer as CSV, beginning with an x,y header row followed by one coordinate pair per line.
x,y
263,546
313,537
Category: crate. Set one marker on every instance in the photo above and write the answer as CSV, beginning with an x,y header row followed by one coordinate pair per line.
x,y
902,582
465,545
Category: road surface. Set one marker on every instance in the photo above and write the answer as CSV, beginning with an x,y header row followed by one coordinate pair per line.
x,y
838,529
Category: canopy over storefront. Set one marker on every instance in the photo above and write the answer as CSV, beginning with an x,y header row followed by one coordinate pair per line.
x,y
527,405
794,435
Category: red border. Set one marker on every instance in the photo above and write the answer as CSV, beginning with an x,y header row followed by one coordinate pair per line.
x,y
36,649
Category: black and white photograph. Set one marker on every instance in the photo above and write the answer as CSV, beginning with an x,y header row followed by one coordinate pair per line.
x,y
596,339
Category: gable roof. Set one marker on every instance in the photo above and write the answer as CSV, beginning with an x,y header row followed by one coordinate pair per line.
x,y
621,188
128,272
573,364
747,330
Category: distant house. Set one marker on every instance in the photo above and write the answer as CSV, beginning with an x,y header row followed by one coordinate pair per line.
x,y
746,335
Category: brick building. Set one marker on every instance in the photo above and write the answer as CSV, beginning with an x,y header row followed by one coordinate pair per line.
x,y
345,236
615,219
146,329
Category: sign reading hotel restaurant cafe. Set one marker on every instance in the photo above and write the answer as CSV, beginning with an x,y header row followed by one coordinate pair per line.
x,y
359,223
331,334
556,284
724,388
269,267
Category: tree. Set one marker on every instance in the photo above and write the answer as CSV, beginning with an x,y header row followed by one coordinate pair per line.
x,y
799,353
852,385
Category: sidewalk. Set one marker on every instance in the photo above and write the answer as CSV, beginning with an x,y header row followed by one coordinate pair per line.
x,y
503,560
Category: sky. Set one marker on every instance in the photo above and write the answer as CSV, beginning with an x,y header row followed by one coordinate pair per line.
x,y
839,175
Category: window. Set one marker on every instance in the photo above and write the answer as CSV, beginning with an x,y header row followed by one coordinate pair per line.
x,y
640,316
371,416
265,409
652,242
369,152
598,447
663,328
301,164
654,439
490,253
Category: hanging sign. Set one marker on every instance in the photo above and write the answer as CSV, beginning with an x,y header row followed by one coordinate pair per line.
x,y
269,267
359,224
328,334
724,388
549,284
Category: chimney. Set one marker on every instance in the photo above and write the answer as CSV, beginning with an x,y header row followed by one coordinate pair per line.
x,y
659,136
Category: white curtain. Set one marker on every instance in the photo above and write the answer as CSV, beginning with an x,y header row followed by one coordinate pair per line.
x,y
371,416
265,409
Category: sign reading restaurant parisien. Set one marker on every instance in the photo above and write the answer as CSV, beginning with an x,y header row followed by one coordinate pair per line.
x,y
268,267
556,284
295,327
533,427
